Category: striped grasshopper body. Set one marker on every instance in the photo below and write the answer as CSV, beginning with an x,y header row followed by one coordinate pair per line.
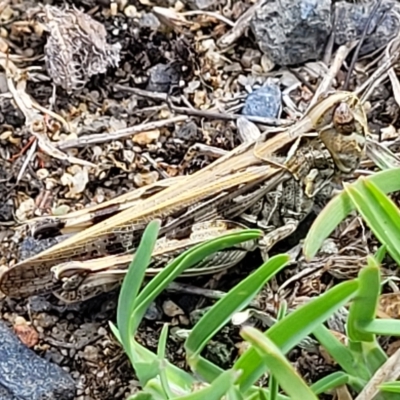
x,y
82,280
327,143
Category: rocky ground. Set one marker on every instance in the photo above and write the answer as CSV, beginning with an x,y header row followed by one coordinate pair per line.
x,y
183,49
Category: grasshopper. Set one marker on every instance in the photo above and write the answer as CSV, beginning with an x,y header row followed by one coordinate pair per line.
x,y
273,178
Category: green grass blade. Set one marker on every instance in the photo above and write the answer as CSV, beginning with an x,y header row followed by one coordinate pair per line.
x,y
381,156
235,300
235,394
380,254
273,383
207,370
197,253
390,387
374,355
363,309
341,354
142,396
295,327
340,207
330,382
289,380
383,327
131,285
147,368
133,309
380,214
186,260
217,390
162,362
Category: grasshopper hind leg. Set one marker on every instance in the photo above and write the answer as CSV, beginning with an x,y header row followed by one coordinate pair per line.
x,y
281,214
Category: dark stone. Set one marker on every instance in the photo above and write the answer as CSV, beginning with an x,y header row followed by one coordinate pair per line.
x,y
153,313
6,395
6,211
292,32
28,376
10,115
264,102
162,77
350,20
187,131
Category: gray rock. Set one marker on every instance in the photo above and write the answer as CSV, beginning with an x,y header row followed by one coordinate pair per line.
x,y
6,395
149,20
6,211
162,77
153,313
292,32
200,4
28,376
264,102
350,20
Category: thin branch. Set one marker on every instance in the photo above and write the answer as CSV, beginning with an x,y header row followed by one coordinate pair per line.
x,y
119,134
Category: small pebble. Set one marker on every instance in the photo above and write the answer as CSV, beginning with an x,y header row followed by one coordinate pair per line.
x,y
171,309
202,4
250,57
149,20
264,102
6,211
187,131
46,321
38,304
145,178
91,353
146,137
153,313
26,332
131,11
162,77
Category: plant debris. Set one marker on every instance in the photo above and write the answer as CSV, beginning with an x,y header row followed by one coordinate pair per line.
x,y
76,47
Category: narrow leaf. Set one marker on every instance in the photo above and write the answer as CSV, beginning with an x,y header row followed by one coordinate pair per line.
x,y
162,362
305,319
380,214
131,285
363,308
289,380
185,261
391,387
216,391
235,300
342,355
340,207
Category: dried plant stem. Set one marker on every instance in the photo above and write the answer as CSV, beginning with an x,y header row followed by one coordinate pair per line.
x,y
120,134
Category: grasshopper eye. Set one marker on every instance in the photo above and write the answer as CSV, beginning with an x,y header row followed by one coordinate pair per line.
x,y
343,119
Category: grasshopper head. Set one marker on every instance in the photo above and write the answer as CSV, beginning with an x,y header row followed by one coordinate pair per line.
x,y
345,138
